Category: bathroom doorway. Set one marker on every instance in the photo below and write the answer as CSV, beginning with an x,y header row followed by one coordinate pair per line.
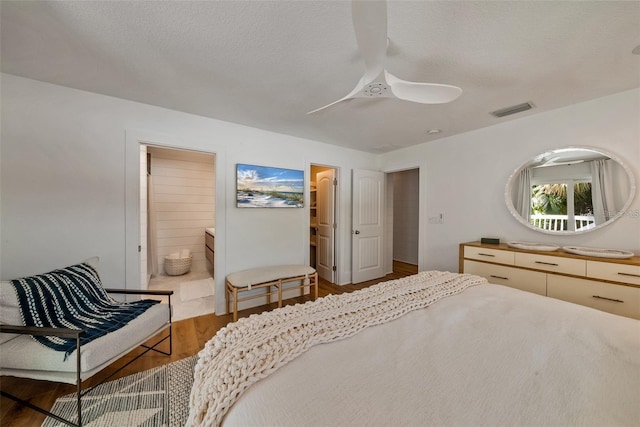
x,y
177,226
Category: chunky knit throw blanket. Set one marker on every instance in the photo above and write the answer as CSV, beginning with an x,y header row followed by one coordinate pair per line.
x,y
252,348
74,298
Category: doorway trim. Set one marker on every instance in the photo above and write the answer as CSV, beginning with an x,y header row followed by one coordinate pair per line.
x,y
133,139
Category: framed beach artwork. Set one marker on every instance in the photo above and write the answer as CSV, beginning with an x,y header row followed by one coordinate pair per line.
x,y
266,187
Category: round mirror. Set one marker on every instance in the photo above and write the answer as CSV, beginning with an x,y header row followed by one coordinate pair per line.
x,y
570,190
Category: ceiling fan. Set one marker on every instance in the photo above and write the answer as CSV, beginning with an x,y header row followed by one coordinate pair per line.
x,y
370,25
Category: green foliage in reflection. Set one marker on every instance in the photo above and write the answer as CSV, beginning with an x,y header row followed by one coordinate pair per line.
x,y
551,199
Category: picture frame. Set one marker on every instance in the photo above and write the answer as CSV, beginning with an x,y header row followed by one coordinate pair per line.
x,y
268,187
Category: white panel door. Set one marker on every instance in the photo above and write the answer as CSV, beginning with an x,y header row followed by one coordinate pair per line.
x,y
325,237
367,225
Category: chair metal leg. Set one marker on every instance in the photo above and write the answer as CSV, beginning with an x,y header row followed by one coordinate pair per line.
x,y
78,382
50,414
38,409
80,393
148,349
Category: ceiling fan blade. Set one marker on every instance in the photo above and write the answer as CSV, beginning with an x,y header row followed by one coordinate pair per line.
x,y
351,95
424,93
328,105
370,26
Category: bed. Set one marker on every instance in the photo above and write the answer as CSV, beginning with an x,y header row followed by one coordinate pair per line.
x,y
431,349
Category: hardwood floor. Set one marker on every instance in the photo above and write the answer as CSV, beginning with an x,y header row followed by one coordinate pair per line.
x,y
189,337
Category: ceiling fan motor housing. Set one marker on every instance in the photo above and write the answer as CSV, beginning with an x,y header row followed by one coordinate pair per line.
x,y
375,89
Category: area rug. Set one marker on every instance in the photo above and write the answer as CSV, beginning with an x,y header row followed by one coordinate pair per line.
x,y
153,398
197,289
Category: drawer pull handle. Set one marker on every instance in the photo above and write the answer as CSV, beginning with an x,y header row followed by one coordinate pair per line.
x,y
547,263
480,253
608,299
629,274
499,277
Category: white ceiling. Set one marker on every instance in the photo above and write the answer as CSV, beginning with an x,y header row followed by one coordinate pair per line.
x,y
266,63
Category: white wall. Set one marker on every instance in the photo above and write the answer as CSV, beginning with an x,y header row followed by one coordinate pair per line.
x,y
70,182
464,176
69,179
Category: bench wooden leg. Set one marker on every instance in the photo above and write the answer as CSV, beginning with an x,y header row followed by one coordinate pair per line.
x,y
235,304
231,291
315,283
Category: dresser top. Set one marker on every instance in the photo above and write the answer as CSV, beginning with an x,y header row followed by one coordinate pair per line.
x,y
635,260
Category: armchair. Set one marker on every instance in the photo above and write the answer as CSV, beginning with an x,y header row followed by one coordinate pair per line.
x,y
22,356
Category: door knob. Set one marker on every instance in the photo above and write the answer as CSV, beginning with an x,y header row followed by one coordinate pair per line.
x,y
356,232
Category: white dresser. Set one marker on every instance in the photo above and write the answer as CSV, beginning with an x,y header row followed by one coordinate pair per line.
x,y
606,284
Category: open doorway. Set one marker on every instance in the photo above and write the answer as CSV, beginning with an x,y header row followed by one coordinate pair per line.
x,y
404,188
177,227
385,223
323,184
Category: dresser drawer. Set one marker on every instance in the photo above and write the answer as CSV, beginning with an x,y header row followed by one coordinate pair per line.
x,y
530,281
616,299
612,271
489,255
577,267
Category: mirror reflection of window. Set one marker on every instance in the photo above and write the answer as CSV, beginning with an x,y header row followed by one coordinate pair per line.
x,y
570,190
562,206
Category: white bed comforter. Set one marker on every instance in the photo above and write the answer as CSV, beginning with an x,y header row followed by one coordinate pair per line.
x,y
251,349
488,356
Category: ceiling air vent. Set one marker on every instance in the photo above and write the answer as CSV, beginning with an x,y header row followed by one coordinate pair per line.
x,y
513,109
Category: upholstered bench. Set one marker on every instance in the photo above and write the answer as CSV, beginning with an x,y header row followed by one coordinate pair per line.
x,y
272,280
